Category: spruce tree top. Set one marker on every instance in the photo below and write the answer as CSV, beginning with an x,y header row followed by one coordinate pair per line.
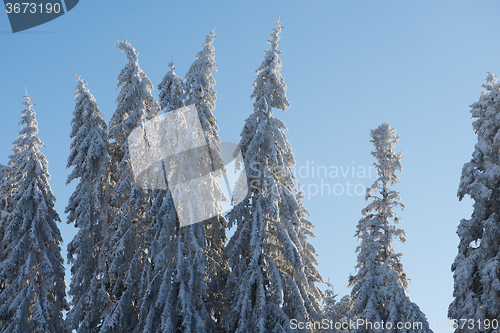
x,y
135,103
475,181
379,286
269,87
28,144
200,85
172,90
376,230
89,136
27,137
269,91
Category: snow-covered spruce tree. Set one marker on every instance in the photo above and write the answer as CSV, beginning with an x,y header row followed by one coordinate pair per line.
x,y
200,91
173,300
336,311
135,105
272,266
5,187
379,285
32,297
172,90
476,268
329,302
200,85
6,204
88,209
307,251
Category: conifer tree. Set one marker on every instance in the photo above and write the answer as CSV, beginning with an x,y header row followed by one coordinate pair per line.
x,y
200,91
272,266
32,295
7,189
200,87
6,204
88,209
172,90
176,264
476,269
308,254
6,207
174,301
379,285
336,312
135,105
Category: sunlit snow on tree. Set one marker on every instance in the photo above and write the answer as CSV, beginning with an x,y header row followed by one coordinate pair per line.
x,y
32,287
379,286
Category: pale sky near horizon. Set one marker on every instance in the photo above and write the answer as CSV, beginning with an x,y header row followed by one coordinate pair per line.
x,y
349,67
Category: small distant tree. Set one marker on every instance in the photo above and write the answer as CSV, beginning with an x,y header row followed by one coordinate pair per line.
x,y
476,270
32,295
88,209
379,285
172,90
336,311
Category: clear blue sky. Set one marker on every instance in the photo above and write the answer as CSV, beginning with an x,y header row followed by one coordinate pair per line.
x,y
349,66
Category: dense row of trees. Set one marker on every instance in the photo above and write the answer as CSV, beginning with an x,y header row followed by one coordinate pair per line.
x,y
134,267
